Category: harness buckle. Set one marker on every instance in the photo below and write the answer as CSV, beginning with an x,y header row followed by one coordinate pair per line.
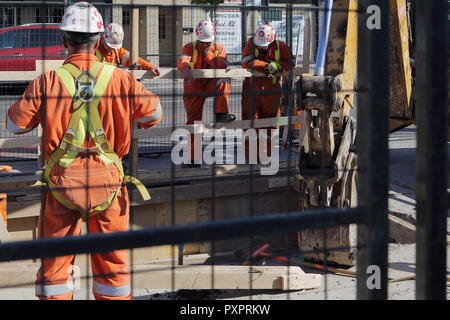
x,y
85,84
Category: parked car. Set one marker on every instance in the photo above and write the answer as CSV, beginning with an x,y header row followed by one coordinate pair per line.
x,y
21,46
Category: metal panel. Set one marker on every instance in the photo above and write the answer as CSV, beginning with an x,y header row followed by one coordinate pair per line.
x,y
178,234
432,157
373,87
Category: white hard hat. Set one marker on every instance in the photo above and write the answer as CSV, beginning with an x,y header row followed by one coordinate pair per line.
x,y
206,31
82,17
114,35
264,35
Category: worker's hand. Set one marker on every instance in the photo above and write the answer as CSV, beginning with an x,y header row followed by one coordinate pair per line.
x,y
273,67
187,75
155,71
136,66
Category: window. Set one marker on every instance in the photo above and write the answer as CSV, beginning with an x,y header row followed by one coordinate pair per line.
x,y
54,37
162,26
49,15
44,37
271,15
9,16
6,40
126,17
13,39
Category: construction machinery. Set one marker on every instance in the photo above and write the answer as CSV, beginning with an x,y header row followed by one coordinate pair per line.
x,y
327,167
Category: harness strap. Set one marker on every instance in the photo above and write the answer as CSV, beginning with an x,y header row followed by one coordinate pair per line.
x,y
99,55
116,52
102,59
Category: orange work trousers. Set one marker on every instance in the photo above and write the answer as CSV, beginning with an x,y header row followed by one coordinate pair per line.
x,y
111,278
194,98
261,98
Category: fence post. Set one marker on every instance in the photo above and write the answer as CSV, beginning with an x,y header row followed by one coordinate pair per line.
x,y
134,155
243,25
372,143
432,159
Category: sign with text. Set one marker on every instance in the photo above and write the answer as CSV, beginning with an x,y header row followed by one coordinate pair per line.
x,y
228,30
298,27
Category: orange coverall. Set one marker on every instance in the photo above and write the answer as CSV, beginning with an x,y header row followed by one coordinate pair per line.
x,y
196,92
261,97
121,58
47,101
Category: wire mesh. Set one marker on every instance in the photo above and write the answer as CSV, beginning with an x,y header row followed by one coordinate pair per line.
x,y
160,43
212,209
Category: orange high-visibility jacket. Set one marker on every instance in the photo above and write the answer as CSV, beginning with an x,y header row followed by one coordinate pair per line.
x,y
260,62
47,101
215,59
121,58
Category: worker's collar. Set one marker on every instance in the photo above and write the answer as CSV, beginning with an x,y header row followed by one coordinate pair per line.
x,y
105,49
79,57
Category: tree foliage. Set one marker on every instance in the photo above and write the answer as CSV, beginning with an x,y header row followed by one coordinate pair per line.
x,y
211,11
210,2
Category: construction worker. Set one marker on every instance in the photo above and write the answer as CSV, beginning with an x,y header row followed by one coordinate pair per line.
x,y
86,110
204,53
261,96
111,51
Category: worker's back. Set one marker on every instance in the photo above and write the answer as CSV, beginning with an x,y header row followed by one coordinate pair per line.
x,y
123,98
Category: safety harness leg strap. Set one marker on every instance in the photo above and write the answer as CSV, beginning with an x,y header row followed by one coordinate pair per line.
x,y
139,185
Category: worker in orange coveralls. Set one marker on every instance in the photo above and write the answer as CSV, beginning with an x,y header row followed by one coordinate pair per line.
x,y
86,110
261,96
111,51
204,53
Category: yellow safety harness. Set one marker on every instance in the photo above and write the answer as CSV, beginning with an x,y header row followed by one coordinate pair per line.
x,y
102,59
277,58
86,118
195,54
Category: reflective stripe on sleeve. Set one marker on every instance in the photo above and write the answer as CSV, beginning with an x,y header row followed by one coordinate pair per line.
x,y
13,128
54,289
125,59
154,116
111,291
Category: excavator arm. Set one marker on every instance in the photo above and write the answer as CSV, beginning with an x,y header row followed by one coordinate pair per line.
x,y
327,169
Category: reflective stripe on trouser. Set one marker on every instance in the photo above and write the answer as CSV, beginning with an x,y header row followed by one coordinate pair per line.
x,y
195,96
109,268
54,289
105,290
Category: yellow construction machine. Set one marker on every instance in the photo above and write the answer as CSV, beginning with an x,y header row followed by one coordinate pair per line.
x,y
327,159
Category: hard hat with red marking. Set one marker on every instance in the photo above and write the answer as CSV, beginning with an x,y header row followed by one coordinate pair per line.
x,y
264,35
206,31
114,35
82,17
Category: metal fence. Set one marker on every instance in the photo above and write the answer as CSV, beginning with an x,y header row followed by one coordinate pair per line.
x,y
370,214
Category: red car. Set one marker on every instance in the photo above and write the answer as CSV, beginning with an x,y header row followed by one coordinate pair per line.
x,y
21,46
